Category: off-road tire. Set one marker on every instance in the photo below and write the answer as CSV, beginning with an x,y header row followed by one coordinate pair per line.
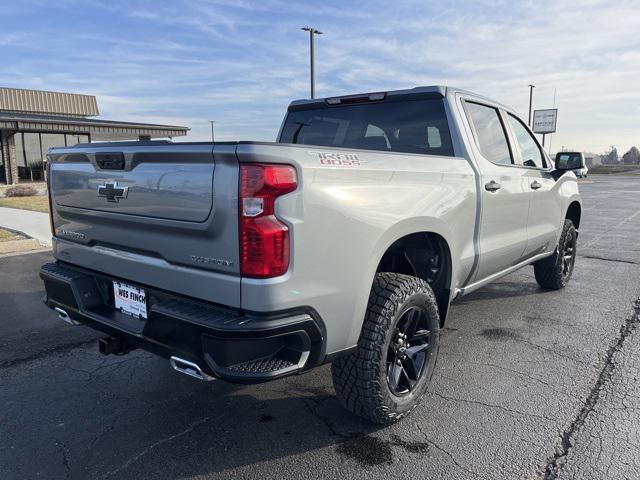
x,y
360,378
550,272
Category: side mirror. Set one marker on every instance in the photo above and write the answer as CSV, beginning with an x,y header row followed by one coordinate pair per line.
x,y
566,162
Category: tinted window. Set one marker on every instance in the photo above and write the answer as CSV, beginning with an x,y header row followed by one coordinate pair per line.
x,y
28,156
416,126
33,156
531,155
75,139
51,140
490,134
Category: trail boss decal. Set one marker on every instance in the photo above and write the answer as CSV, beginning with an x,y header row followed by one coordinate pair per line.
x,y
337,159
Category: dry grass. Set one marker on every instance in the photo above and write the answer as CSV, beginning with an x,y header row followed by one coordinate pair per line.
x,y
6,235
38,203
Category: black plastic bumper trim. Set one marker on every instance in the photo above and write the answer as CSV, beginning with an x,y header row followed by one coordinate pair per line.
x,y
231,344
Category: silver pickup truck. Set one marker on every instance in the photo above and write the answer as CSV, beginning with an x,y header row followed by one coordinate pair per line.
x,y
345,241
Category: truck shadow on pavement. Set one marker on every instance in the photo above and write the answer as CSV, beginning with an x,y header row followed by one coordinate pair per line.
x,y
503,289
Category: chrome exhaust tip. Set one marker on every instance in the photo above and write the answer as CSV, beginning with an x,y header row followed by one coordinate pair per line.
x,y
189,368
64,316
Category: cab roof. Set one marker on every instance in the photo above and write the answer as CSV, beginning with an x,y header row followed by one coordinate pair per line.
x,y
432,91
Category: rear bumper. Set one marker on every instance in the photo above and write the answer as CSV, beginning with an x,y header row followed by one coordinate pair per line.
x,y
226,343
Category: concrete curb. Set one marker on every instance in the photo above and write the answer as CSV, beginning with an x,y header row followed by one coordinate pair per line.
x,y
15,254
14,246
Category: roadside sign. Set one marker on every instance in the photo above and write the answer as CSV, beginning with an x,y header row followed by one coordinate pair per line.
x,y
544,121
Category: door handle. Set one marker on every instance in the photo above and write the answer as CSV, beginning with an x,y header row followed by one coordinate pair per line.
x,y
492,186
536,185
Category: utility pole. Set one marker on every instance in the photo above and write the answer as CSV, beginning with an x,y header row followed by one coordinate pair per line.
x,y
554,106
312,31
212,134
531,87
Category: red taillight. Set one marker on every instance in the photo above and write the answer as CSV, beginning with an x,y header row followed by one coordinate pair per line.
x,y
264,239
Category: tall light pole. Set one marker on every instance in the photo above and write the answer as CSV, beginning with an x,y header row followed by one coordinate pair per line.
x,y
554,106
212,134
312,31
531,87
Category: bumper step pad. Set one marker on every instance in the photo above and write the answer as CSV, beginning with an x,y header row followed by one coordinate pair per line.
x,y
265,365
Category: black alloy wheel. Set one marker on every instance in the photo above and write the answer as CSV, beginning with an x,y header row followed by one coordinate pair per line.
x,y
408,351
569,254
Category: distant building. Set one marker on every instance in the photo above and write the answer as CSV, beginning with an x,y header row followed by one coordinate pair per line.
x,y
32,121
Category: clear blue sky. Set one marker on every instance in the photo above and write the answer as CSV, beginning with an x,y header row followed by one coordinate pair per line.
x,y
241,62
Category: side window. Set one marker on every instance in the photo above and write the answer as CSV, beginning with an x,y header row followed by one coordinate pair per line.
x,y
490,135
433,137
531,154
375,138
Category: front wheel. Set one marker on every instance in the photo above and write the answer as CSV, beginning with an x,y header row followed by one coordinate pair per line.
x,y
554,272
384,380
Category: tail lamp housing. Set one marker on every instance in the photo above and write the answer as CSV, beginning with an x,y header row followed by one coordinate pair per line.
x,y
264,238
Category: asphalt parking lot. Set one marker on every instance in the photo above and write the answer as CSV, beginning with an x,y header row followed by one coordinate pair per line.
x,y
529,384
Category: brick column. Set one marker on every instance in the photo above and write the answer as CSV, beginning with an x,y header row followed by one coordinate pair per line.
x,y
5,156
12,178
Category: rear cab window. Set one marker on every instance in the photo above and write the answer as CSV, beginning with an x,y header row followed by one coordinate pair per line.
x,y
407,126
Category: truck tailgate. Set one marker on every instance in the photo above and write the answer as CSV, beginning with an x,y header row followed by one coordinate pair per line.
x,y
171,206
174,185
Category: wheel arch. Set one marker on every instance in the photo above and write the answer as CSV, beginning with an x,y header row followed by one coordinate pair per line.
x,y
426,255
574,213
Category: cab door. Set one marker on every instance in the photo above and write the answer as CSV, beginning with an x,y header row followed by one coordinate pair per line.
x,y
504,192
545,215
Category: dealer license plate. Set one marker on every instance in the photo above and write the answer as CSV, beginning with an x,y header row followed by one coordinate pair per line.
x,y
130,300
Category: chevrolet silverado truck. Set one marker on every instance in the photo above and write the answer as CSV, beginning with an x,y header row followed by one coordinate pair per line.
x,y
345,241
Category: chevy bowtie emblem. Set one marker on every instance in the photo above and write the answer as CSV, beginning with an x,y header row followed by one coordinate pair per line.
x,y
112,192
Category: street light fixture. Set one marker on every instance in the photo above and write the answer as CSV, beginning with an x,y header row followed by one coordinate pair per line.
x,y
312,31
